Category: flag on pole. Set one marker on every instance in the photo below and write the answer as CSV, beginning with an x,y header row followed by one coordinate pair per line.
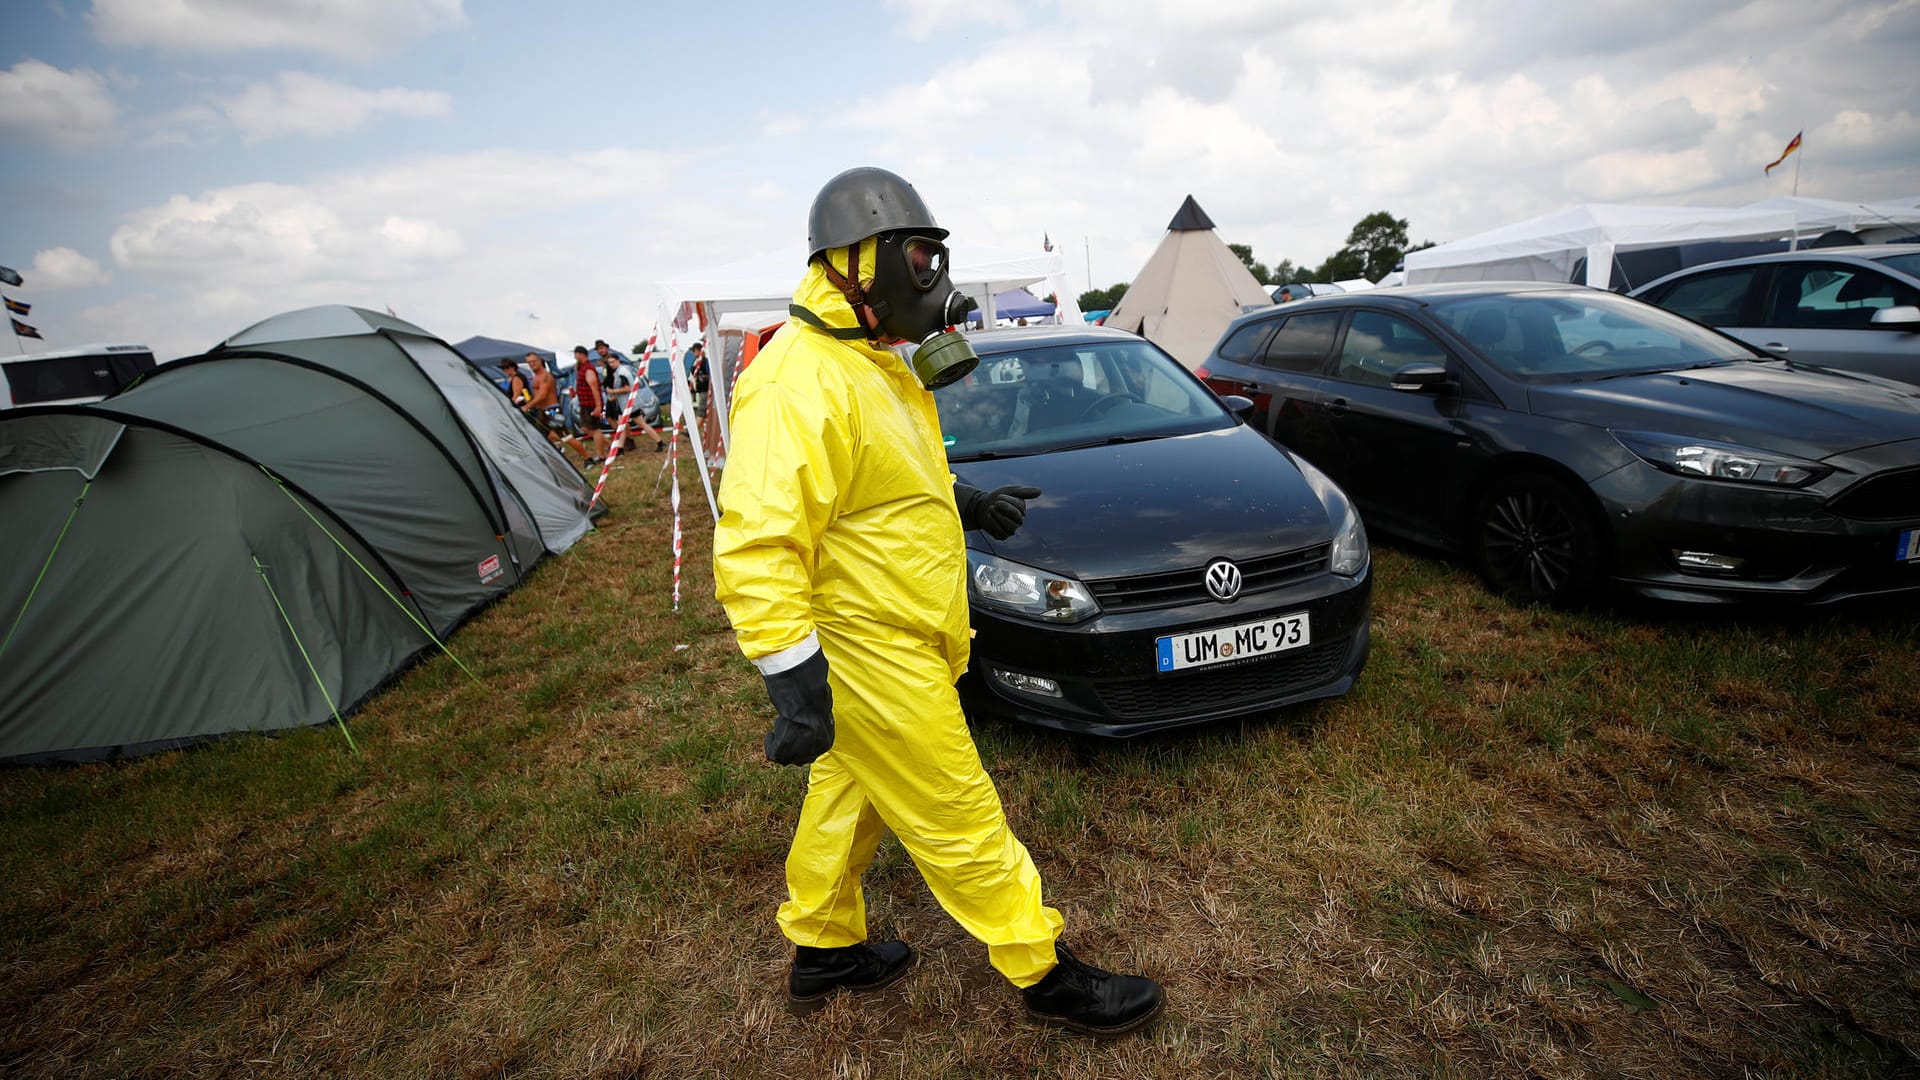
x,y
21,329
17,307
10,276
1046,242
1792,145
392,312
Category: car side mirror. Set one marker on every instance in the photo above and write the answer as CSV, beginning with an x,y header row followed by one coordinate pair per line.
x,y
1417,378
1239,405
1899,315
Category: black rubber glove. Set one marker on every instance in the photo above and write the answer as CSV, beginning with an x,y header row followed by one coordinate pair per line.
x,y
804,729
1000,511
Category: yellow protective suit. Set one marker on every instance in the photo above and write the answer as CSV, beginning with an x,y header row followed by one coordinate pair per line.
x,y
838,525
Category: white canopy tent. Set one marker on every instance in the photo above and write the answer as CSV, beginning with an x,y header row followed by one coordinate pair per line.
x,y
1871,220
766,283
1547,247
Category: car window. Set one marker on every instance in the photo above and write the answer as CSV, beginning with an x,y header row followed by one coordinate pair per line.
x,y
1302,342
1045,397
1832,296
1906,264
1714,297
1378,344
1569,336
1245,345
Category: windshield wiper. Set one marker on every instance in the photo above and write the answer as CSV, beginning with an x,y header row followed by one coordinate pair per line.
x,y
1111,440
1665,369
995,455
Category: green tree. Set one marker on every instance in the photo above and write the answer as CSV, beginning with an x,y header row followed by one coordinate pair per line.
x,y
1373,249
1103,299
1245,251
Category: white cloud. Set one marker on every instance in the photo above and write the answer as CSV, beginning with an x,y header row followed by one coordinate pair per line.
x,y
298,103
1289,121
64,268
350,28
924,17
440,238
72,110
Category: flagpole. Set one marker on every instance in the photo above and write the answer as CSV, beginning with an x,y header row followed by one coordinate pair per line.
x,y
1796,170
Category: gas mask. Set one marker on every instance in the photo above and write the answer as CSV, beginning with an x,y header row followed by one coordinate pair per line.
x,y
915,301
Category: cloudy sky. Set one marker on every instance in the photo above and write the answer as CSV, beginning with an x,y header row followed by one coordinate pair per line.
x,y
174,170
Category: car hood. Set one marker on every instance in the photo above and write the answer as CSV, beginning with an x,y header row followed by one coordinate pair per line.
x,y
1765,405
1147,507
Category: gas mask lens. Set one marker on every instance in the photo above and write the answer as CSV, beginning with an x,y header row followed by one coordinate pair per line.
x,y
926,260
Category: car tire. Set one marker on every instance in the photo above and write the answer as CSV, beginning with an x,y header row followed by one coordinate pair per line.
x,y
1535,541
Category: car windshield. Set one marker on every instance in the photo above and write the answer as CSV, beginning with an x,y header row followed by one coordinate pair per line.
x,y
1570,337
1908,264
1052,397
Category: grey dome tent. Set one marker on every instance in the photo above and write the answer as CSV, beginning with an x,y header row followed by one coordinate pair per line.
x,y
259,537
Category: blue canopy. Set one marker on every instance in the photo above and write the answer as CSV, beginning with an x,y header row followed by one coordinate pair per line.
x,y
1015,304
486,353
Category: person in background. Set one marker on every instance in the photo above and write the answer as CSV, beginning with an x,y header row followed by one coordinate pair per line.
x,y
618,377
841,561
590,398
543,407
518,391
699,380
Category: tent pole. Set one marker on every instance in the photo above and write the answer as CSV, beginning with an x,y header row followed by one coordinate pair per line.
x,y
381,585
298,644
82,497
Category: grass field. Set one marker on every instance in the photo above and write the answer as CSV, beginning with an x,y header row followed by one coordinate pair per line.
x,y
1529,844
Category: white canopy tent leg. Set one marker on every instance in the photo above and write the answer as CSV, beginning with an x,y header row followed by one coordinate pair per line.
x,y
681,410
1600,264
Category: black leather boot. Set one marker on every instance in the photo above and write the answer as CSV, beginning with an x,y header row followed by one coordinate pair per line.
x,y
818,973
1077,995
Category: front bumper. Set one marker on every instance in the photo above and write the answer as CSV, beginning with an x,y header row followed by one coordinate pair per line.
x,y
1105,667
1791,544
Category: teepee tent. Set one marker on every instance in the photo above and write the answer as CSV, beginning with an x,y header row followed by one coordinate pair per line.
x,y
259,537
1189,290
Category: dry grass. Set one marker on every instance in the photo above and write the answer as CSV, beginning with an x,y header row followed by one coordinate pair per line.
x,y
1530,844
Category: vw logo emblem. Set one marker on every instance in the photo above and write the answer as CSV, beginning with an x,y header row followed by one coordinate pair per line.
x,y
1223,580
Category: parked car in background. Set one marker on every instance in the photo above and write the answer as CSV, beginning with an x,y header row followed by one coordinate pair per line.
x,y
1178,568
1853,308
1300,290
1564,437
71,376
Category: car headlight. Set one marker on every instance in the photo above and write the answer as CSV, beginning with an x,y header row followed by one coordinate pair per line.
x,y
1720,461
1349,557
1024,590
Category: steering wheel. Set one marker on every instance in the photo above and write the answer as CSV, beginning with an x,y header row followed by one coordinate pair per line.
x,y
1101,404
1594,349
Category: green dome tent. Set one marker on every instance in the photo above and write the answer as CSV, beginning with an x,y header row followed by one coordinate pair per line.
x,y
259,537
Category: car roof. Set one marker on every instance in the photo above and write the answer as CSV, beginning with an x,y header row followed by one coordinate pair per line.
x,y
994,342
1408,296
1864,254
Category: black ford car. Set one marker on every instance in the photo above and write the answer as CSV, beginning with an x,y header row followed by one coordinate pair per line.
x,y
1178,568
1563,437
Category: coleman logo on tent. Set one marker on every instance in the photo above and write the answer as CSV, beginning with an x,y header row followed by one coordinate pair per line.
x,y
490,568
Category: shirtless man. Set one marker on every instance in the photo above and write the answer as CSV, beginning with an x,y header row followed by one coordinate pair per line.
x,y
544,407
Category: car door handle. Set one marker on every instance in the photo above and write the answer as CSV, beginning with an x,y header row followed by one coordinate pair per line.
x,y
1339,407
1776,347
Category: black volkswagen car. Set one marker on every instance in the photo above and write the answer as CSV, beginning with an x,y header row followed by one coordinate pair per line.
x,y
1563,437
1178,568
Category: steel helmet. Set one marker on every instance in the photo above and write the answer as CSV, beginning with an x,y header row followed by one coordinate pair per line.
x,y
864,202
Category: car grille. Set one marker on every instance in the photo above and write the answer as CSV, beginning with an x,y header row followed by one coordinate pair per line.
x,y
1886,497
1145,592
1215,688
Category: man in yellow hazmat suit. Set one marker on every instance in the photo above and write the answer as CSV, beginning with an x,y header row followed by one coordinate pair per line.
x,y
841,562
